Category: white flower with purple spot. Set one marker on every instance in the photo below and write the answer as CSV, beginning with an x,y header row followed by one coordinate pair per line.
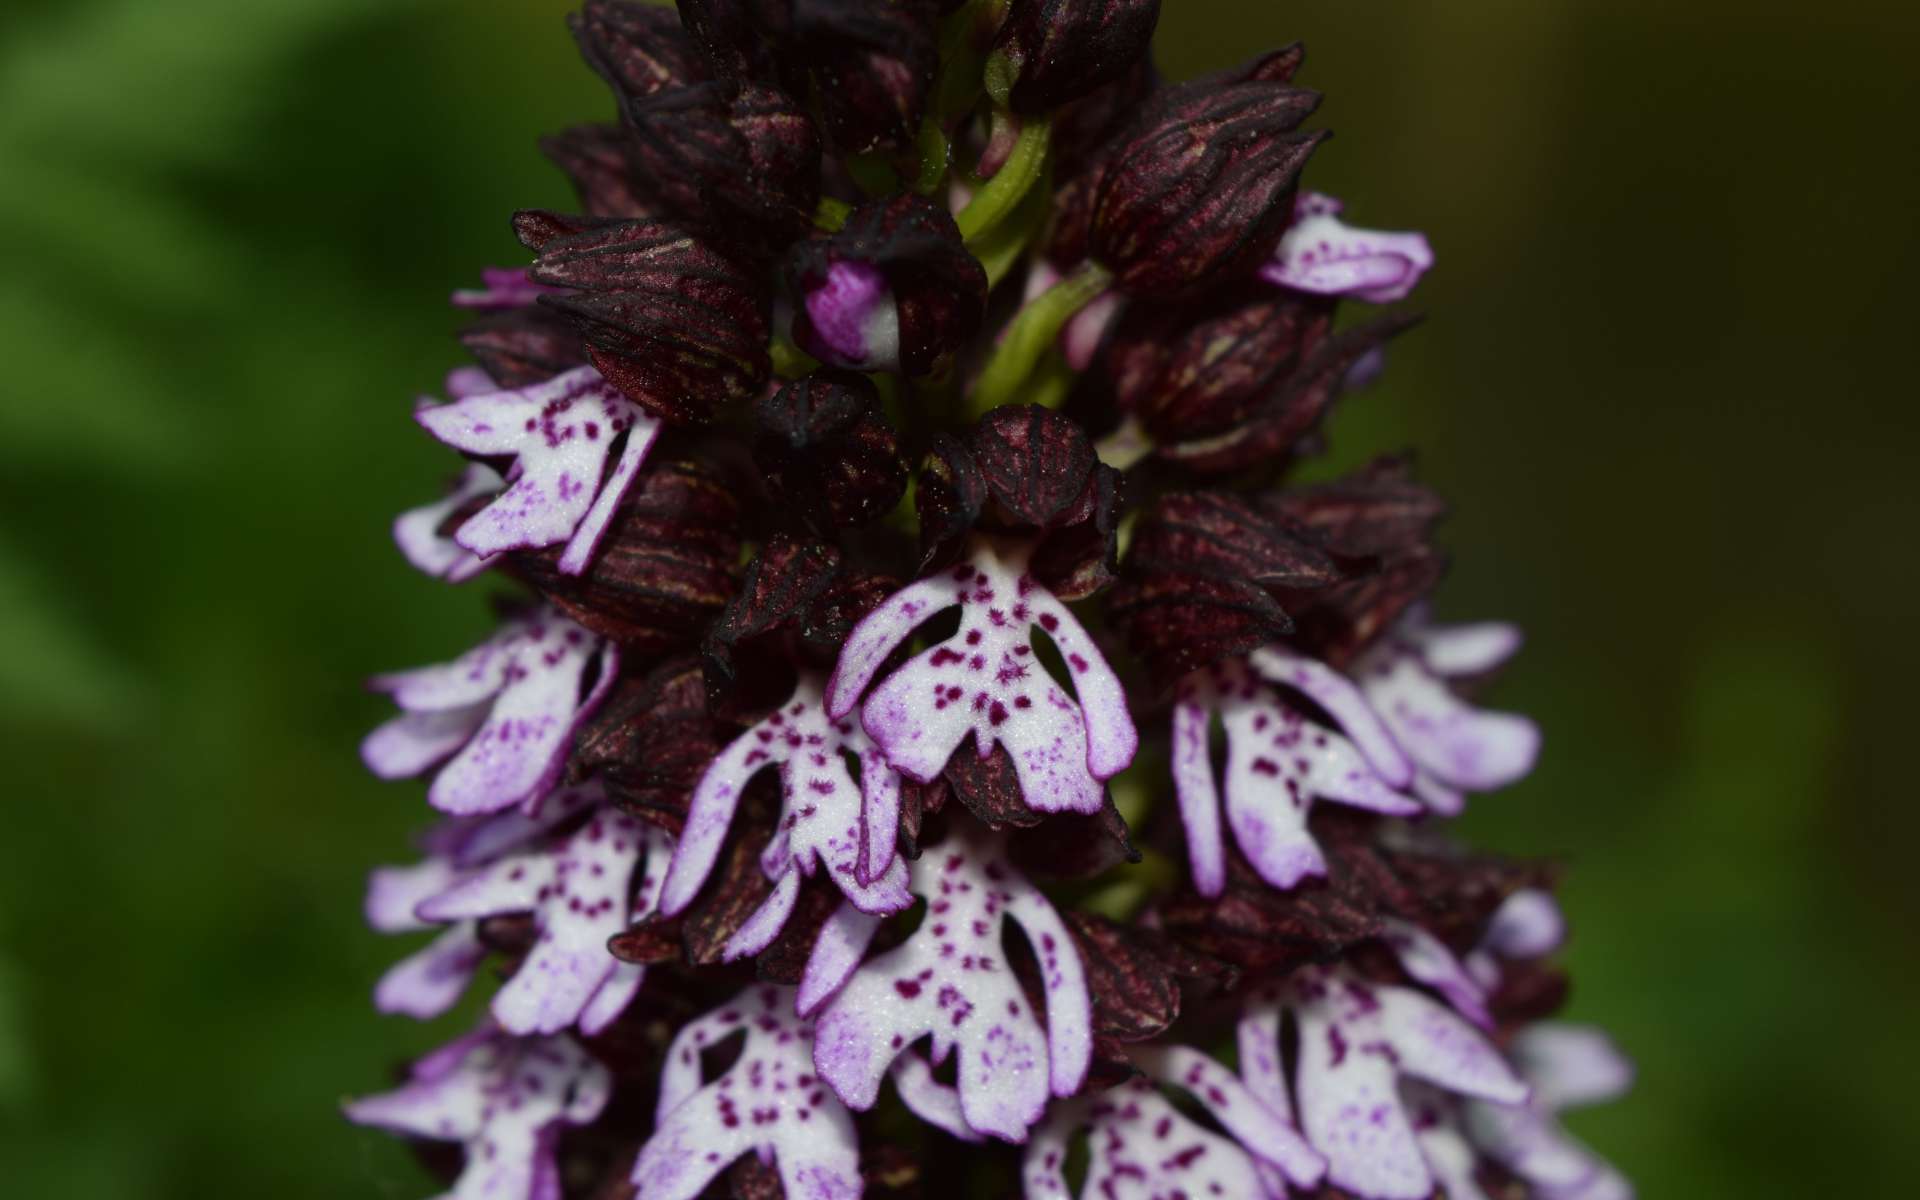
x,y
770,1102
1278,762
499,716
1322,254
559,433
1567,1066
1357,1042
1455,747
581,890
951,981
504,1099
417,531
426,983
1141,1147
826,819
986,680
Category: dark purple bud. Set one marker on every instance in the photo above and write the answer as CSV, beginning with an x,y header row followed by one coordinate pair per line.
x,y
1450,893
1076,560
665,568
1295,406
781,584
1059,50
1260,929
1201,579
594,160
650,741
1377,524
675,325
828,453
1189,376
1072,846
1037,464
873,63
894,290
524,347
948,497
741,160
1199,190
639,49
739,36
989,788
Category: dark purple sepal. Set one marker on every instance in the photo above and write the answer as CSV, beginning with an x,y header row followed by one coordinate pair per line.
x,y
1260,929
1199,190
524,346
748,661
1070,846
1081,133
649,742
1038,465
873,63
1201,579
594,160
827,451
1063,49
936,288
677,326
1295,408
738,887
948,497
740,37
741,161
664,569
1136,976
1377,524
638,49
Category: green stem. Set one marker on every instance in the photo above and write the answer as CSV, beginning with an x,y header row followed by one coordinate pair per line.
x,y
1000,250
1033,329
933,159
831,214
789,360
1001,194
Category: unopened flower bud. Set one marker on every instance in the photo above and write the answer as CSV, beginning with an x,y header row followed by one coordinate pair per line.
x,y
827,451
1053,51
894,290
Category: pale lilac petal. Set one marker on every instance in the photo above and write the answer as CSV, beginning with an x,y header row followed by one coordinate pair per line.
x,y
1356,1041
1112,739
929,1099
1465,649
875,637
1140,1145
1257,1037
1427,960
504,1099
417,531
430,981
586,536
838,949
1440,799
560,432
949,980
393,893
1569,1065
769,1101
1199,800
824,817
481,839
1528,924
473,678
412,742
879,819
1043,1169
1333,692
1528,1142
1451,1157
612,998
1322,254
1263,1131
517,753
766,922
985,680
1462,746
501,288
1435,1045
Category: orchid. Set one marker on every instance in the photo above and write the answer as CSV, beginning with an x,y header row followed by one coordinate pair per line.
x,y
987,681
915,401
498,716
504,1099
826,820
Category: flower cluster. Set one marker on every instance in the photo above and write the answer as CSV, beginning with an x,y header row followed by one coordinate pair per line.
x,y
932,746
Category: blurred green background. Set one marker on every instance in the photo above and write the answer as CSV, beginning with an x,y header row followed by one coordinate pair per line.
x,y
1662,383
